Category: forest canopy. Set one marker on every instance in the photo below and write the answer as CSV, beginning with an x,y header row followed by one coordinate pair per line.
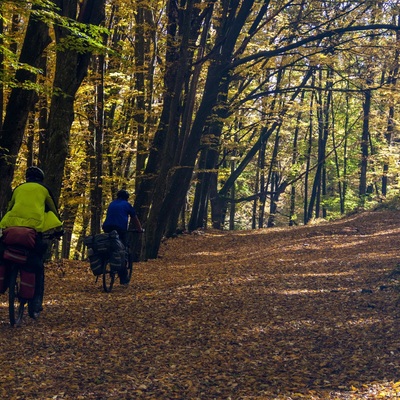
x,y
227,114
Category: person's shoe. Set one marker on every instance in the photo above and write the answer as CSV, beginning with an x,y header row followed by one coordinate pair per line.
x,y
35,315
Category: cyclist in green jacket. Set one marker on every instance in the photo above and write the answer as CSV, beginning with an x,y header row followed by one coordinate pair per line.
x,y
32,205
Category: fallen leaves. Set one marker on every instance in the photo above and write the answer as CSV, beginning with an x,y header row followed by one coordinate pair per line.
x,y
307,312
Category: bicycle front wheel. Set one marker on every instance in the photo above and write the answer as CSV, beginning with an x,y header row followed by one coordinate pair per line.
x,y
15,305
108,277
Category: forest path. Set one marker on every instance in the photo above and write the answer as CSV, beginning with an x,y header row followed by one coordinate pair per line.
x,y
307,312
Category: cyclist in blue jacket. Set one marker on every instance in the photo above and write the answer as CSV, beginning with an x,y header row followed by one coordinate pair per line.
x,y
118,214
117,218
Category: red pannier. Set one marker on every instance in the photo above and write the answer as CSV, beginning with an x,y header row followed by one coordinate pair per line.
x,y
19,236
27,285
15,254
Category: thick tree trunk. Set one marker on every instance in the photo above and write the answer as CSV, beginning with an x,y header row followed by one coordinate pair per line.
x,y
165,155
71,68
148,180
20,103
1,67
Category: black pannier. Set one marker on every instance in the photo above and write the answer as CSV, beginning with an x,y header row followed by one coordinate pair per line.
x,y
103,246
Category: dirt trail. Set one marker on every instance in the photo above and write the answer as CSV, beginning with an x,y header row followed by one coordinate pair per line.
x,y
307,312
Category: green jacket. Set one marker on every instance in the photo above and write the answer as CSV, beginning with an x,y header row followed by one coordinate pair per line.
x,y
31,205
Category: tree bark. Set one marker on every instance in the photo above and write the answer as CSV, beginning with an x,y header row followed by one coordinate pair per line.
x,y
20,103
322,114
71,68
364,145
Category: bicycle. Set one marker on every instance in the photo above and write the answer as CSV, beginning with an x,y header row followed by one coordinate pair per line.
x,y
17,303
108,273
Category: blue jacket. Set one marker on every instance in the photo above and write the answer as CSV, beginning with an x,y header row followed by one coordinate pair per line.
x,y
118,213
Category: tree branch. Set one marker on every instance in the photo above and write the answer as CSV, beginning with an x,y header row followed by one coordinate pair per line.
x,y
300,43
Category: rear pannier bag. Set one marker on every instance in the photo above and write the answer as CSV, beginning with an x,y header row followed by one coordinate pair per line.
x,y
116,261
27,285
96,263
117,256
18,255
102,246
19,236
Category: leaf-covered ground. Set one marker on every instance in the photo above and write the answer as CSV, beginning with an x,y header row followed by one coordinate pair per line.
x,y
307,312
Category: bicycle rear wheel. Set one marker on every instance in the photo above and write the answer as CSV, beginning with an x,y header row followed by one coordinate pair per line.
x,y
15,305
108,277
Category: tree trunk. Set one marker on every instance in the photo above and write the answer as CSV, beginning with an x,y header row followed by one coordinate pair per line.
x,y
1,66
306,216
322,114
274,184
272,181
232,206
263,195
42,107
97,189
391,120
217,204
168,122
20,103
364,145
71,68
345,149
166,202
295,156
143,84
198,216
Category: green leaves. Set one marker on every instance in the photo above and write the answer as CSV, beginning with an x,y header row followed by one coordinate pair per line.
x,y
83,38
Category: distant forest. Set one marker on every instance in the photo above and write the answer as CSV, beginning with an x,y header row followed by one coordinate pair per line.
x,y
229,114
